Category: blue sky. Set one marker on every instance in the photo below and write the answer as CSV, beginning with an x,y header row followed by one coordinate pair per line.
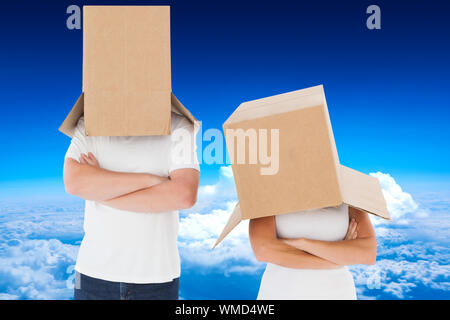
x,y
388,96
387,89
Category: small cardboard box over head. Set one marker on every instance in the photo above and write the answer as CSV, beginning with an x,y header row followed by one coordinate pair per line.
x,y
309,175
126,73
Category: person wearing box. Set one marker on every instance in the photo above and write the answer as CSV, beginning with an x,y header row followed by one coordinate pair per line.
x,y
307,252
133,188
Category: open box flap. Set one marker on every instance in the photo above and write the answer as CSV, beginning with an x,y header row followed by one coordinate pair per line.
x,y
363,192
178,108
69,124
233,221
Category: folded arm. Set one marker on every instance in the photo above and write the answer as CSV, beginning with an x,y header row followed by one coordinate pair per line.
x,y
268,248
176,193
87,180
361,250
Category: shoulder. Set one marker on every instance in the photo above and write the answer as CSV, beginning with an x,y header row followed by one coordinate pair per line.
x,y
79,130
80,123
179,121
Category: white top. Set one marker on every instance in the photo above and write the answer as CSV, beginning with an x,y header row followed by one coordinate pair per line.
x,y
327,224
126,246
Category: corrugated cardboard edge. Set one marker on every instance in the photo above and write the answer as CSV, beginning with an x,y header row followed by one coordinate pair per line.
x,y
69,124
331,137
330,127
253,107
233,221
363,192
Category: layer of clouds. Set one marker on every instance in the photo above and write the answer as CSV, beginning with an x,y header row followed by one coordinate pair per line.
x,y
200,228
39,242
199,231
36,269
400,203
38,248
217,195
404,271
403,268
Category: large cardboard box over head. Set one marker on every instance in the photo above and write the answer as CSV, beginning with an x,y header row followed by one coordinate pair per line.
x,y
309,174
126,73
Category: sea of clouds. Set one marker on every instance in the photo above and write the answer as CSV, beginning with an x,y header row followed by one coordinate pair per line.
x,y
39,241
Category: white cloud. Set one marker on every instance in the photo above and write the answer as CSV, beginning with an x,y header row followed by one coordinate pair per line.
x,y
216,196
7,296
226,171
39,242
406,265
398,277
399,203
205,226
401,269
207,190
37,269
199,231
200,228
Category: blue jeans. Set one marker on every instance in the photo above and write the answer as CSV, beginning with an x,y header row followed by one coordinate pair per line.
x,y
88,288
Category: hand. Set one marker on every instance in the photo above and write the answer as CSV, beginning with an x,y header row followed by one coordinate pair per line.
x,y
352,232
89,159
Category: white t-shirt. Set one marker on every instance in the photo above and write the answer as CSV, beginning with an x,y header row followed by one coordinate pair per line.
x,y
282,283
126,246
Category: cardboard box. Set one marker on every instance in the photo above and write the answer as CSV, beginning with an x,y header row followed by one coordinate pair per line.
x,y
126,73
309,174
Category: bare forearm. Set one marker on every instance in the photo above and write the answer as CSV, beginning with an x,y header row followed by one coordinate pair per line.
x,y
279,253
93,183
166,196
345,252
